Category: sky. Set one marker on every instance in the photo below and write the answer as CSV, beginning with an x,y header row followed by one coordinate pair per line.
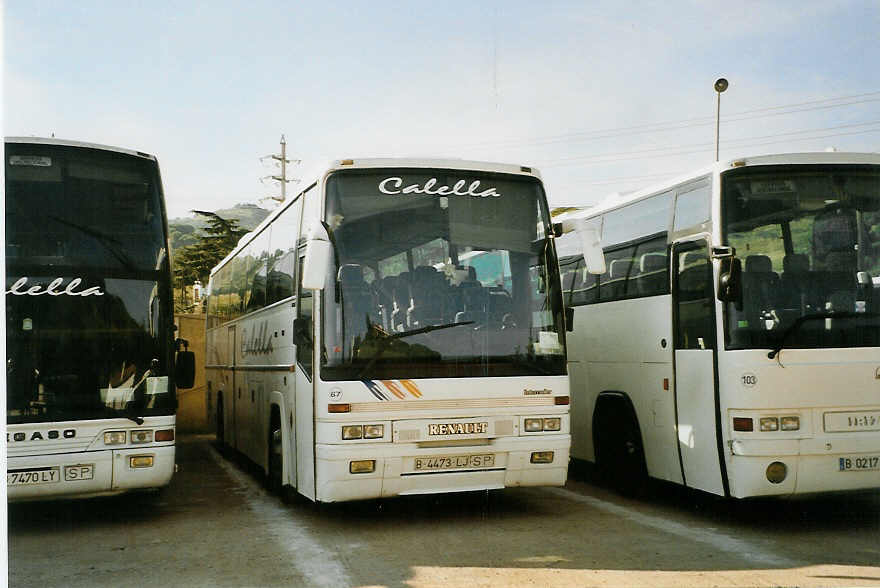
x,y
599,96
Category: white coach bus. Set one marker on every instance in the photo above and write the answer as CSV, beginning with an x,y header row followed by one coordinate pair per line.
x,y
90,347
396,328
730,341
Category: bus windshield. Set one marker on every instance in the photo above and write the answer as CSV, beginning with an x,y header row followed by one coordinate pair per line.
x,y
809,241
441,273
88,308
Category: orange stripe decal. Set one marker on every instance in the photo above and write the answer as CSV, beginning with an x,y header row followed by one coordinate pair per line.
x,y
393,388
412,388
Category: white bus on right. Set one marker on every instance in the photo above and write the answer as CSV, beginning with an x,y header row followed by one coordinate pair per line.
x,y
727,328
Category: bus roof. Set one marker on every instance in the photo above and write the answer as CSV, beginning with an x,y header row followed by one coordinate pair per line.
x,y
82,144
618,200
430,162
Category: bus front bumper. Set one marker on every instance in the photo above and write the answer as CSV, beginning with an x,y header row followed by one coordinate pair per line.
x,y
810,466
406,468
88,474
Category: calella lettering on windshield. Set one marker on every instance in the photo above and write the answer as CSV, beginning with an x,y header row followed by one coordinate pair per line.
x,y
21,288
394,185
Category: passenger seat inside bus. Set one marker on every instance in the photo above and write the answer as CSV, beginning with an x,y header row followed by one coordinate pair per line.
x,y
428,297
652,276
474,300
401,300
357,301
383,290
795,283
618,272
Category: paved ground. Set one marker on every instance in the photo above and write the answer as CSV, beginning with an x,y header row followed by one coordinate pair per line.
x,y
216,526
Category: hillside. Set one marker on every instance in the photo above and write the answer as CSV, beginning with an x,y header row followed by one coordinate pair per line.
x,y
184,231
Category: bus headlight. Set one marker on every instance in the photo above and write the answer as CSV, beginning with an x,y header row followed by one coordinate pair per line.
x,y
352,432
552,424
374,431
769,424
533,425
790,423
142,436
114,438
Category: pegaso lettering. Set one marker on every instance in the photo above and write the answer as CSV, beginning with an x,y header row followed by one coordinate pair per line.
x,y
41,436
458,428
21,288
395,185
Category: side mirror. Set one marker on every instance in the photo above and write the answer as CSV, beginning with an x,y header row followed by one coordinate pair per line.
x,y
594,257
557,230
730,281
319,256
569,319
185,369
301,334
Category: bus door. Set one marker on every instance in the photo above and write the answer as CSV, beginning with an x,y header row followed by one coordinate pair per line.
x,y
696,393
304,387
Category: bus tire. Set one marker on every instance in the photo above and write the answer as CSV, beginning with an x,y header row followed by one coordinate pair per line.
x,y
275,458
620,455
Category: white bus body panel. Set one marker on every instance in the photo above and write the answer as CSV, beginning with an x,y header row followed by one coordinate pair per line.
x,y
817,385
633,361
501,403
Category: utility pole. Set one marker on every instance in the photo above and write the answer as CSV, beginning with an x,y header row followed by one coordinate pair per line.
x,y
282,178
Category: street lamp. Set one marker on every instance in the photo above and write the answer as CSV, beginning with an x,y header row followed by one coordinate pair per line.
x,y
720,85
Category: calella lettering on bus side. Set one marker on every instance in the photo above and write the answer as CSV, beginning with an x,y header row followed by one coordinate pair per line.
x,y
21,288
394,185
259,342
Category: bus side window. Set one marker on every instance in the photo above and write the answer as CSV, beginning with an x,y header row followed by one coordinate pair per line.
x,y
694,300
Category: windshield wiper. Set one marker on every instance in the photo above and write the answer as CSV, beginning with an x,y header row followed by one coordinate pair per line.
x,y
138,401
830,314
385,336
112,245
428,329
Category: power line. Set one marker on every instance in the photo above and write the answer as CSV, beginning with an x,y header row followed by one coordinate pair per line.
x,y
615,132
676,149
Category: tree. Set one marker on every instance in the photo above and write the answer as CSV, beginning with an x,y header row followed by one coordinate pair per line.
x,y
194,262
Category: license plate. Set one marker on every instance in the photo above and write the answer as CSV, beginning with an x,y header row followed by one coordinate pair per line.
x,y
859,464
454,462
49,475
74,473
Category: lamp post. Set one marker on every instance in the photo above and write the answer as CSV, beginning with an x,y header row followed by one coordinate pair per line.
x,y
720,85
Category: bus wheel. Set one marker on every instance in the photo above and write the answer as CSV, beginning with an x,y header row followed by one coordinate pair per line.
x,y
620,456
276,462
